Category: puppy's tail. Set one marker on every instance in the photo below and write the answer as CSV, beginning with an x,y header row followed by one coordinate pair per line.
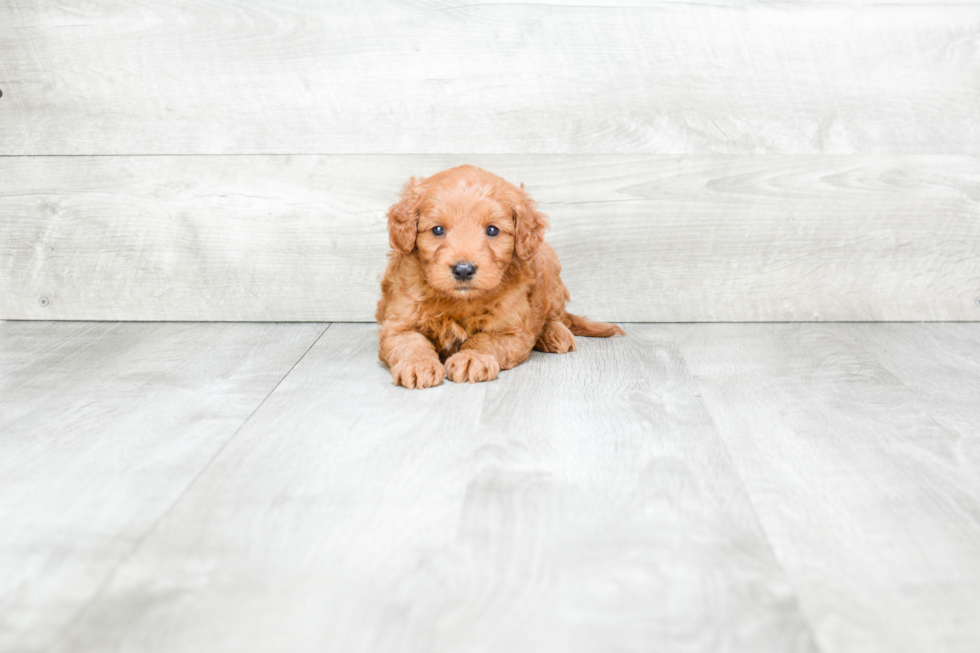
x,y
583,327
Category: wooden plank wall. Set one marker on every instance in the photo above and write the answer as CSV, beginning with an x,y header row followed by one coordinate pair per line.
x,y
735,161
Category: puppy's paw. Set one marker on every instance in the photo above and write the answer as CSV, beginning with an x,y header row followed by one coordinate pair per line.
x,y
472,366
555,338
418,373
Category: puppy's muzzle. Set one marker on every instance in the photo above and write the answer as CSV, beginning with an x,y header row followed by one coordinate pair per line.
x,y
463,271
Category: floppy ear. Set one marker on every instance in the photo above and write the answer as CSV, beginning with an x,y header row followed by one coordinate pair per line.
x,y
529,223
403,218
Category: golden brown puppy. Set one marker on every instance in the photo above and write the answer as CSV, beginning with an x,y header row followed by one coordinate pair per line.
x,y
471,286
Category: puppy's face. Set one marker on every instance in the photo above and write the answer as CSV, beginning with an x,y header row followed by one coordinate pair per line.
x,y
465,239
466,225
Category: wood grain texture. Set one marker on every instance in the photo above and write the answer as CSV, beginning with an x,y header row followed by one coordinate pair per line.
x,y
867,487
940,362
102,428
579,503
316,77
641,238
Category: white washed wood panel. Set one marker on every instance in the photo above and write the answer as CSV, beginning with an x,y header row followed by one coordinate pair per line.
x,y
641,238
579,503
102,428
942,363
868,492
309,76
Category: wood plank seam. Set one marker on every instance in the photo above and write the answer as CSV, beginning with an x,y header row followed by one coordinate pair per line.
x,y
858,386
750,499
160,518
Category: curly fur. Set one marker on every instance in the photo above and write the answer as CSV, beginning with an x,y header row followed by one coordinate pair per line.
x,y
434,326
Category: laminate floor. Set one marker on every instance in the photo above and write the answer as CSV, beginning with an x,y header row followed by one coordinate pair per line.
x,y
714,487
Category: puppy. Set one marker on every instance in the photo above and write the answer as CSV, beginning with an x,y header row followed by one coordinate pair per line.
x,y
471,287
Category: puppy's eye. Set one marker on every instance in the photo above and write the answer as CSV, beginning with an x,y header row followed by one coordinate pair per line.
x,y
438,231
492,231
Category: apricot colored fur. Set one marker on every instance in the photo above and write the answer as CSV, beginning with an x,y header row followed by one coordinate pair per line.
x,y
434,326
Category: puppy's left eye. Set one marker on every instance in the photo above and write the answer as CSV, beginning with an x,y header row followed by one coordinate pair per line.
x,y
492,231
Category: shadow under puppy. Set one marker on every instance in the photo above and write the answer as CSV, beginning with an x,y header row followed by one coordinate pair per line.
x,y
471,286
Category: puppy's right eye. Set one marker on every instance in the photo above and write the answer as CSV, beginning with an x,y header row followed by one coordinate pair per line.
x,y
438,231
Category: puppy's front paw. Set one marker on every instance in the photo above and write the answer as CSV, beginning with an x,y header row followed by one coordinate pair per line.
x,y
418,373
472,366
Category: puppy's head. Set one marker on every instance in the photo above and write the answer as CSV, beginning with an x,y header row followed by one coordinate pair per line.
x,y
466,225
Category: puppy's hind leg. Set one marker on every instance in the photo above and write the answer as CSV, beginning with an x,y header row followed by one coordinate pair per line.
x,y
555,338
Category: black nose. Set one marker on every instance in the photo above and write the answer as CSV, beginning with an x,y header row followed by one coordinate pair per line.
x,y
464,271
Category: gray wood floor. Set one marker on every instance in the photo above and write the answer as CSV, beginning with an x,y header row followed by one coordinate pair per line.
x,y
714,487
